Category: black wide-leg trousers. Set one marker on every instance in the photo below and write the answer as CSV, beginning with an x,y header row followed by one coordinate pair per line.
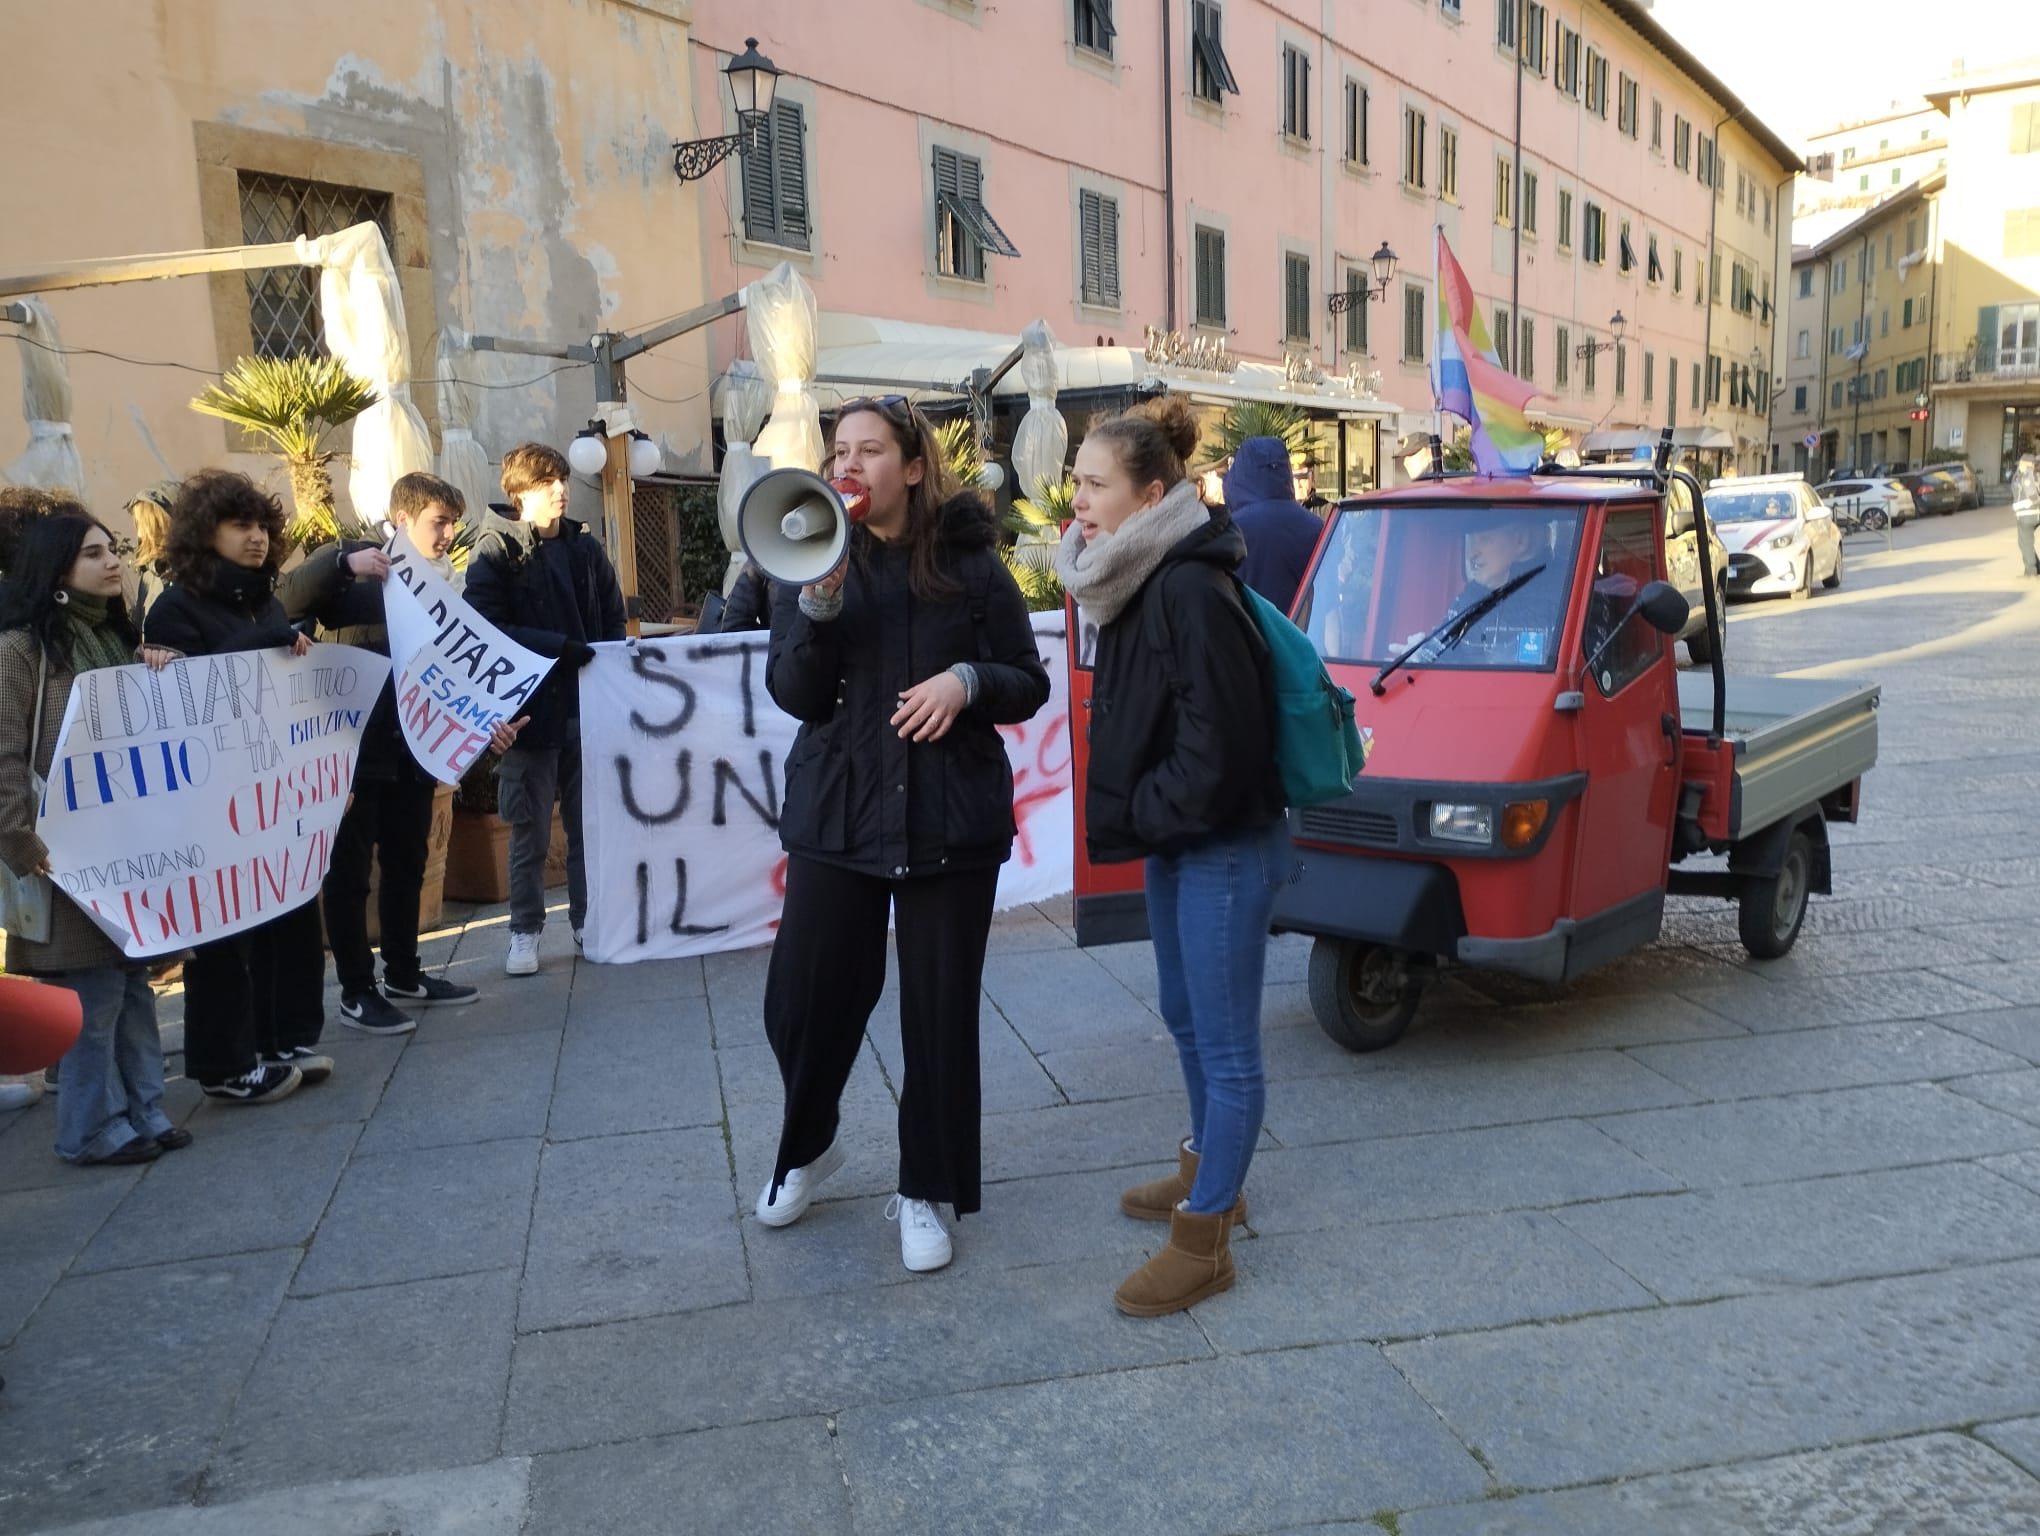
x,y
825,977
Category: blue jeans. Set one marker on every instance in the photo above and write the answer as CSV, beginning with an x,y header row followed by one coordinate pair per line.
x,y
1208,910
112,1079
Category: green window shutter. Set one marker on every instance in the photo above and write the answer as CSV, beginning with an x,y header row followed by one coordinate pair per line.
x,y
1987,335
789,164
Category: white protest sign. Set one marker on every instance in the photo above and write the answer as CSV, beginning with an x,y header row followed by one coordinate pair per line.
x,y
457,674
683,758
191,803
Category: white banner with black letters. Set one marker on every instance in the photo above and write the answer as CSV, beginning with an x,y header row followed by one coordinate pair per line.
x,y
191,803
683,759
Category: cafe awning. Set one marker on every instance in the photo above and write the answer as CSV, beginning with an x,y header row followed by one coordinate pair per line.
x,y
932,364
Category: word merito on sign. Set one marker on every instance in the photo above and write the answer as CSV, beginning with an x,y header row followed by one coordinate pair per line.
x,y
457,674
188,804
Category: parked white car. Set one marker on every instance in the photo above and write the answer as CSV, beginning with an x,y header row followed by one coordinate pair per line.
x,y
1780,536
1866,491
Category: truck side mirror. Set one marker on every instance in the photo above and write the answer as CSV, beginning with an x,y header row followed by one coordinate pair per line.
x,y
1663,607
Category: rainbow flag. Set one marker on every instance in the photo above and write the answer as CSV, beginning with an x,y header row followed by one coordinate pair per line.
x,y
1472,383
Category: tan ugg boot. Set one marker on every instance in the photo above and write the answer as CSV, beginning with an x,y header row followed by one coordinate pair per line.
x,y
1154,1200
1195,1263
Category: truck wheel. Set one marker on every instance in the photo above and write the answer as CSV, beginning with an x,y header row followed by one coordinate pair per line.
x,y
1772,909
1364,995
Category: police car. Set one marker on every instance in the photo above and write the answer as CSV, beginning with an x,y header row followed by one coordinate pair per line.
x,y
1780,536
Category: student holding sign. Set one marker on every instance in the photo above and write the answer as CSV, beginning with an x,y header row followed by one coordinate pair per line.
x,y
547,585
254,1003
899,805
61,614
340,586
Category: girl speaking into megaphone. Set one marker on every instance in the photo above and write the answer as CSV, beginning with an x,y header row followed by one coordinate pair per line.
x,y
900,665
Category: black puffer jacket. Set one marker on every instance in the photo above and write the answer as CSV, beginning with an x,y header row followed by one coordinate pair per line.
x,y
508,586
856,794
227,608
349,611
1181,728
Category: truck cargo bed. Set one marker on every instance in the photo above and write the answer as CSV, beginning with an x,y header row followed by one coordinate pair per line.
x,y
1793,739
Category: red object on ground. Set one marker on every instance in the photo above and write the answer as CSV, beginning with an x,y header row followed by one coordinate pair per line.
x,y
38,1024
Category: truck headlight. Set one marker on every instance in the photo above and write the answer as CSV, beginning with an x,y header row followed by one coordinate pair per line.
x,y
1455,823
1781,541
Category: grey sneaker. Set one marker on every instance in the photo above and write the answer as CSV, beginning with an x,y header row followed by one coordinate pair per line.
x,y
263,1084
311,1066
369,1013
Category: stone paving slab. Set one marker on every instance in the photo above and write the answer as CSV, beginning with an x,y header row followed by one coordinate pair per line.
x,y
226,1194
1797,1136
149,1432
1402,1279
446,1093
1578,1024
2016,1438
2013,1030
1481,1092
782,1476
1576,1402
1331,1432
1845,1000
1066,1000
44,1230
1711,1243
1852,954
2016,1093
651,1068
423,1213
1453,1173
2016,981
948,1332
486,1500
28,1156
1937,1485
1806,1060
630,1226
1075,1138
419,1366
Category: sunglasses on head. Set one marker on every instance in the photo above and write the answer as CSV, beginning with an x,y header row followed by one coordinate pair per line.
x,y
870,403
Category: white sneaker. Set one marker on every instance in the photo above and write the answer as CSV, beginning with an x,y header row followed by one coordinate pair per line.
x,y
798,1192
20,1092
924,1241
523,956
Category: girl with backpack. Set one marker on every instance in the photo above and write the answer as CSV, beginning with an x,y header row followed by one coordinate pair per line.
x,y
1183,775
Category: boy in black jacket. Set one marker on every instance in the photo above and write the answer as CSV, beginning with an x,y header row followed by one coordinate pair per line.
x,y
340,585
548,586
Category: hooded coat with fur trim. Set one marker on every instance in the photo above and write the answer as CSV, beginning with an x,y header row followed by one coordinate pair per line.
x,y
856,794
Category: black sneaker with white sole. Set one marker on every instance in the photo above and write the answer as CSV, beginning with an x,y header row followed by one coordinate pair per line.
x,y
372,1015
431,992
265,1084
312,1067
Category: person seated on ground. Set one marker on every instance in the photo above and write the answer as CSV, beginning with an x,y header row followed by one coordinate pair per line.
x,y
1260,496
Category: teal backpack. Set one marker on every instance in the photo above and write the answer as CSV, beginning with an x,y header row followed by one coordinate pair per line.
x,y
1317,745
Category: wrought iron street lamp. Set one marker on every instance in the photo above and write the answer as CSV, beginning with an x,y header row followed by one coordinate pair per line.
x,y
1383,266
753,78
1616,324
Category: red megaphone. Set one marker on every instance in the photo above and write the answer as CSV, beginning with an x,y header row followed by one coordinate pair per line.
x,y
39,1022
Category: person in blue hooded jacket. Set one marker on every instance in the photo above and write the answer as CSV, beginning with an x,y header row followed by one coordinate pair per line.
x,y
1260,496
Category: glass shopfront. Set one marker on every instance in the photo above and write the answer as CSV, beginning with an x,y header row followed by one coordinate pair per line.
x,y
2019,437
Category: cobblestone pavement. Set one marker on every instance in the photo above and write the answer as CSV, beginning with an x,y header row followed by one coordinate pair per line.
x,y
1695,1245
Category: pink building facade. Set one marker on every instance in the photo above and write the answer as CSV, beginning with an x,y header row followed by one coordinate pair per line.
x,y
1222,168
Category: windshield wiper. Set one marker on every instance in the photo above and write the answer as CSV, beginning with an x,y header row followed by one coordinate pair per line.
x,y
1451,631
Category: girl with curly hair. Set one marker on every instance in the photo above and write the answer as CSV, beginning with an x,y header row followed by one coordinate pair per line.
x,y
254,1002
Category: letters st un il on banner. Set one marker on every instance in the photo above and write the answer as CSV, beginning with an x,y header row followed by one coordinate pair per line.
x,y
191,803
683,763
457,674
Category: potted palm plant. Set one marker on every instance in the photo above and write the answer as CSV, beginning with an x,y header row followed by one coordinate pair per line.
x,y
293,404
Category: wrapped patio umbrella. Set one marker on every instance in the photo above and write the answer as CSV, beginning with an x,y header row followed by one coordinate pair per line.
x,y
747,395
462,462
780,311
51,461
363,313
1042,441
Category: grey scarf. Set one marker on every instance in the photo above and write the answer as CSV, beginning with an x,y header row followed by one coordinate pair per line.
x,y
1104,574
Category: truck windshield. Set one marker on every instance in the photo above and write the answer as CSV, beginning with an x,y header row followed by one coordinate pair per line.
x,y
1772,506
1393,574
